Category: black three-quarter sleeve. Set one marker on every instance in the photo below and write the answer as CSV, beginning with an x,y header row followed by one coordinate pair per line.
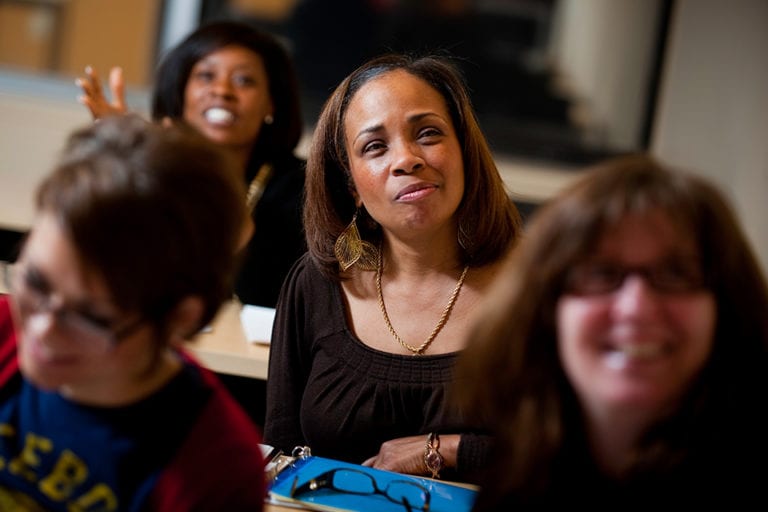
x,y
289,363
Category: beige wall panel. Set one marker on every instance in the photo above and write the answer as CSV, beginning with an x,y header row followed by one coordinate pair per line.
x,y
106,33
27,34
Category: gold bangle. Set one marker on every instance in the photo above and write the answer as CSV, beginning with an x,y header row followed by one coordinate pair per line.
x,y
432,458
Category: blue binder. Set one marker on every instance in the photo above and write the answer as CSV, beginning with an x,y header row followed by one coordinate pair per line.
x,y
444,497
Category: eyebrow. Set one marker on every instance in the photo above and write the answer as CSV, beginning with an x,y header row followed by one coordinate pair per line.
x,y
411,119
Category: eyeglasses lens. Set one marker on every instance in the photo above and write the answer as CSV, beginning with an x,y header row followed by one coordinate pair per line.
x,y
408,493
351,481
34,303
595,278
354,482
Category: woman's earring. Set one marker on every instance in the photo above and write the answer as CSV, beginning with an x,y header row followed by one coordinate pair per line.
x,y
268,119
350,249
465,241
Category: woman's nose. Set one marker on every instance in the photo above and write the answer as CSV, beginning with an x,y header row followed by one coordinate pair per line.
x,y
636,297
222,87
407,159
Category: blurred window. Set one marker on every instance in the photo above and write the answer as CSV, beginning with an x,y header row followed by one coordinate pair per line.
x,y
569,81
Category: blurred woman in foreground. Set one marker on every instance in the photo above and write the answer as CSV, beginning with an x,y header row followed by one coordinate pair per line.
x,y
130,254
622,355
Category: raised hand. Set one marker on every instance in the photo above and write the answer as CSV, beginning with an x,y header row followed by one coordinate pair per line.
x,y
93,96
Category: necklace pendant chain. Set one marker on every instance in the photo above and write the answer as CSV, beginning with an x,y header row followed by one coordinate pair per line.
x,y
443,318
257,186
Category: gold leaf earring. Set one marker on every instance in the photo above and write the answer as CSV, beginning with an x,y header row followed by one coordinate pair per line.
x,y
350,249
465,240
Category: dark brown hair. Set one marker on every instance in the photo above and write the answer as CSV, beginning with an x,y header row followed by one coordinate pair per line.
x,y
488,220
157,211
510,376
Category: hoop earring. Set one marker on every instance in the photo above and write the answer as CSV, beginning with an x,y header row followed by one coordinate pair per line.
x,y
350,249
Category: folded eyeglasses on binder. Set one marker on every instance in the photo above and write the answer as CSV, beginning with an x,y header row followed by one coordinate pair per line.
x,y
411,495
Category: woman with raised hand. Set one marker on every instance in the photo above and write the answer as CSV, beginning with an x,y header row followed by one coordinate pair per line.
x,y
407,220
622,356
237,86
131,252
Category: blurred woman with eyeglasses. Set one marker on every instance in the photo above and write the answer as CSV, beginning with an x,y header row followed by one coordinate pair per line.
x,y
100,407
622,358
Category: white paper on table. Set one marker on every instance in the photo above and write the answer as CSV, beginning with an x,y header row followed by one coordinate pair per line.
x,y
257,323
266,450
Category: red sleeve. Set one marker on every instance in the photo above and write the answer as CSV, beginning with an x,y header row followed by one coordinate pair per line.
x,y
219,466
9,365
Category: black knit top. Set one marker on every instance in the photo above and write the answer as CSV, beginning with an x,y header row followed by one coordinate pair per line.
x,y
278,238
330,391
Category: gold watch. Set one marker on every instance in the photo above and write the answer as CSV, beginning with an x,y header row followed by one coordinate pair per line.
x,y
432,458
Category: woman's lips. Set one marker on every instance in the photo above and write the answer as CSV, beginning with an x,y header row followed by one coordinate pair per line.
x,y
417,191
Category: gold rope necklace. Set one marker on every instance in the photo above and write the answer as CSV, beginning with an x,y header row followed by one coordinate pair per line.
x,y
443,318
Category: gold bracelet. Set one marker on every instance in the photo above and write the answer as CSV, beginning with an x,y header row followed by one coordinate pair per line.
x,y
432,458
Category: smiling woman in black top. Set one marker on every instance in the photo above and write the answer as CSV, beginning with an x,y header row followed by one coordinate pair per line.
x,y
237,86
